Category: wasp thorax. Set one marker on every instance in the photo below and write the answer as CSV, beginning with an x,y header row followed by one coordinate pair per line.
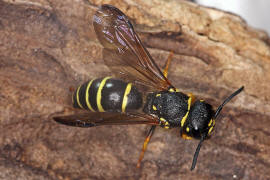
x,y
170,107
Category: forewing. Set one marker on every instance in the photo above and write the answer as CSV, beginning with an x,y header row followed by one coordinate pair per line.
x,y
90,119
123,51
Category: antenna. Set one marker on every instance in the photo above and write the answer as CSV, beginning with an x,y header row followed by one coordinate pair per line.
x,y
196,154
226,101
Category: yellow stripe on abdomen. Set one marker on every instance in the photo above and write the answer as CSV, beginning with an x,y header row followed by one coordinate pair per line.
x,y
125,98
78,97
102,84
87,96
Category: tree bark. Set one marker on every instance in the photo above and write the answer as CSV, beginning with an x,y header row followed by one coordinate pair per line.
x,y
48,48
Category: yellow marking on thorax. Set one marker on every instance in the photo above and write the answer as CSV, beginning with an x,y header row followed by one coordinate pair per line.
x,y
125,98
191,96
162,119
158,95
87,96
154,108
167,125
102,84
186,115
174,90
78,98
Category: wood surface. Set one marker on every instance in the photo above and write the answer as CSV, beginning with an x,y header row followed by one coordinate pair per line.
x,y
48,48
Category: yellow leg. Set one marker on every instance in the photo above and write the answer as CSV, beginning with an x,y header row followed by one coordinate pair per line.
x,y
146,141
184,136
168,62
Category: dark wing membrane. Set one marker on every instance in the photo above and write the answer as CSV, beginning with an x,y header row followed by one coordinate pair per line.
x,y
90,119
123,51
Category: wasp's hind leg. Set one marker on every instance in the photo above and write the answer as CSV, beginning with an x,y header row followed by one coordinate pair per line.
x,y
165,72
152,129
146,141
168,62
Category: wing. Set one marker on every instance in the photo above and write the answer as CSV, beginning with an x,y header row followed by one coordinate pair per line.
x,y
123,51
91,119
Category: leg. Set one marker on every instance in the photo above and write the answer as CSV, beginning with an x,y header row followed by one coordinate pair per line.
x,y
147,139
166,69
168,62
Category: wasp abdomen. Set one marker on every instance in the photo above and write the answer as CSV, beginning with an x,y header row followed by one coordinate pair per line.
x,y
107,94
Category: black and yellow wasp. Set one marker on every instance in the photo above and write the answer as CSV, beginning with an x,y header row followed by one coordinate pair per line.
x,y
141,92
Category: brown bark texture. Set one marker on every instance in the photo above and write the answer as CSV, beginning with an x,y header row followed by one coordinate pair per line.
x,y
47,48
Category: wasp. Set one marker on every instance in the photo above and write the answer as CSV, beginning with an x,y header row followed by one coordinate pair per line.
x,y
139,92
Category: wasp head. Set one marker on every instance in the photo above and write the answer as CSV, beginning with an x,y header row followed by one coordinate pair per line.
x,y
201,122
